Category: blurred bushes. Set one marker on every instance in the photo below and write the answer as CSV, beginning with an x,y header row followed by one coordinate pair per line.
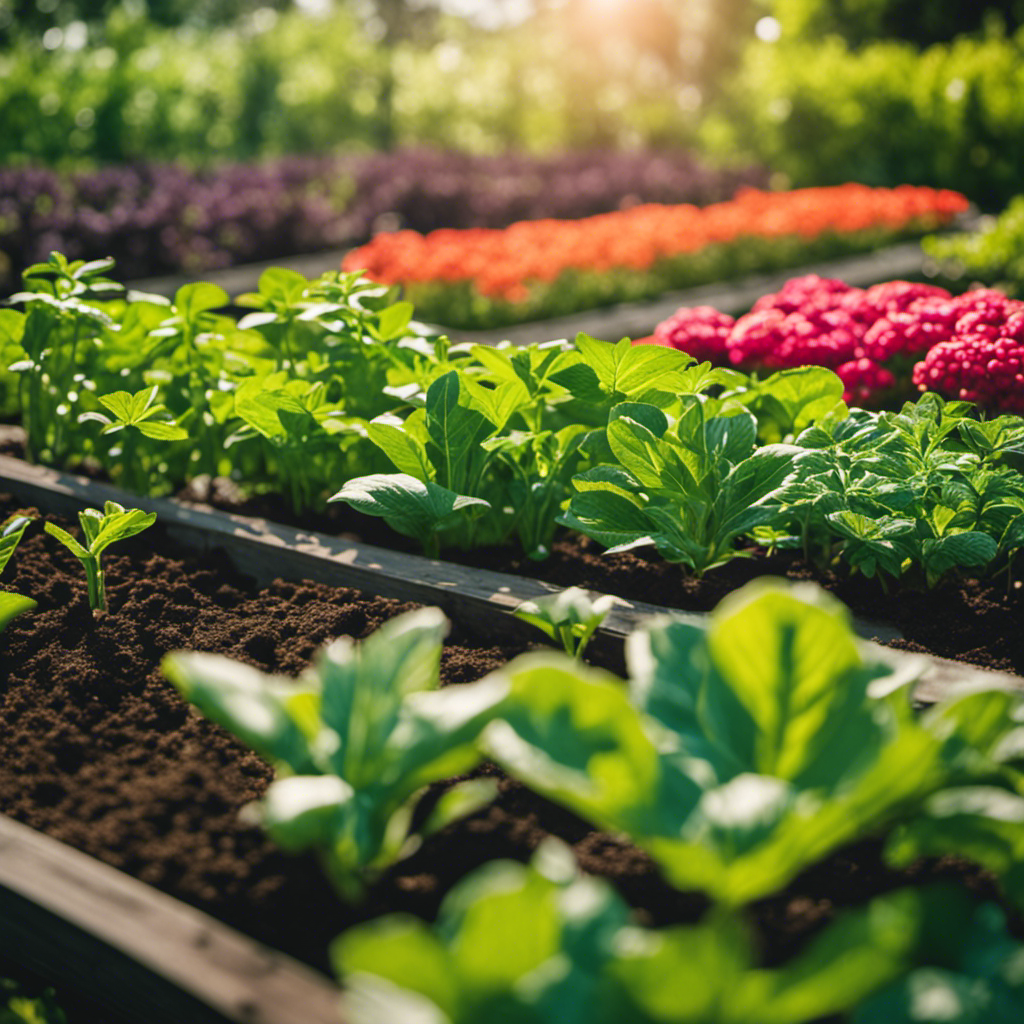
x,y
821,112
922,22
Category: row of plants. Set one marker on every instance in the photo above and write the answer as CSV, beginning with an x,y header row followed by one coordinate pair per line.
x,y
736,755
885,342
533,270
992,255
329,391
164,218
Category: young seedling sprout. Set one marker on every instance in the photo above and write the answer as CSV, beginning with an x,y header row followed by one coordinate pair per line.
x,y
570,618
100,530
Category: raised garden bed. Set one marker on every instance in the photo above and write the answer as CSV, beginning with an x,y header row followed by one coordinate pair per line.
x,y
126,773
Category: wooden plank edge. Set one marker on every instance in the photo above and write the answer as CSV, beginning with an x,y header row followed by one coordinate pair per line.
x,y
152,958
480,597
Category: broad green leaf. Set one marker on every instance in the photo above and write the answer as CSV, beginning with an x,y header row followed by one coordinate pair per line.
x,y
192,299
11,532
571,734
249,703
13,605
394,320
455,433
67,540
414,507
786,656
406,452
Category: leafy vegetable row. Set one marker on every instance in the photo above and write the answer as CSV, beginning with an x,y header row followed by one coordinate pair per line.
x,y
736,756
328,389
532,270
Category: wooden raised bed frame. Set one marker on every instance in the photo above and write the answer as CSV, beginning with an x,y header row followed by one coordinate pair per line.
x,y
156,960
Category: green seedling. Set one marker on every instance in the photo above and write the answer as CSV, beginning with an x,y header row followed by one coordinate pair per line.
x,y
570,618
100,530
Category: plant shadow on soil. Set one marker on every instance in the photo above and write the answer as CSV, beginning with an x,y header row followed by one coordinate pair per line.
x,y
98,750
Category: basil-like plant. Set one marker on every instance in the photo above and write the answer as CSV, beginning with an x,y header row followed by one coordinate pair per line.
x,y
99,531
355,741
544,945
11,532
744,752
570,617
690,487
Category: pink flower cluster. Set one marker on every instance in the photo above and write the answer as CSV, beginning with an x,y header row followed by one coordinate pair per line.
x,y
973,344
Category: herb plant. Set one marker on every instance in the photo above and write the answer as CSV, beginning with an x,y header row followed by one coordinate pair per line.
x,y
355,741
99,531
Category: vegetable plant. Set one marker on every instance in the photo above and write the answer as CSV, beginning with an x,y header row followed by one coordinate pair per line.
x,y
690,486
99,531
742,753
355,741
570,617
543,944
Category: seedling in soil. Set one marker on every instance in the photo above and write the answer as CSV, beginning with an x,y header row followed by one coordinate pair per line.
x,y
356,740
11,532
570,618
100,530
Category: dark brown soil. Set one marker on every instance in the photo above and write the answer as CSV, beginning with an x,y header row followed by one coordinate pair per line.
x,y
97,750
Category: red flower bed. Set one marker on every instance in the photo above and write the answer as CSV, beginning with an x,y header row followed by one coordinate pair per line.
x,y
889,338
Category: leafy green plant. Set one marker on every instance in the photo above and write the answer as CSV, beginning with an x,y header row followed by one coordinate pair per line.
x,y
570,617
99,531
744,752
62,318
11,532
355,741
690,487
924,489
540,943
133,416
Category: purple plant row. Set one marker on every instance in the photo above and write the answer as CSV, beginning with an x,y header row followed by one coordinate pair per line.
x,y
165,218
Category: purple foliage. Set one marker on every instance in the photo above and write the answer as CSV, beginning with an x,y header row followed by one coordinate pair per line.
x,y
164,218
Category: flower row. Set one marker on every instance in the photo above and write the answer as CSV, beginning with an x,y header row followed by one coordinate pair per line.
x,y
530,263
163,218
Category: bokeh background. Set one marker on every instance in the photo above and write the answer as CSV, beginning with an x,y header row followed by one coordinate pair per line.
x,y
190,135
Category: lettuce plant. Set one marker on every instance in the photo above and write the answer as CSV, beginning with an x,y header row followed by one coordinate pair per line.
x,y
545,945
743,753
354,741
11,532
99,531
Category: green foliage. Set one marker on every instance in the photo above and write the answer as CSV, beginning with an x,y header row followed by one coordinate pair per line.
x,y
689,487
544,945
994,254
922,490
743,753
100,530
820,113
973,979
355,741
